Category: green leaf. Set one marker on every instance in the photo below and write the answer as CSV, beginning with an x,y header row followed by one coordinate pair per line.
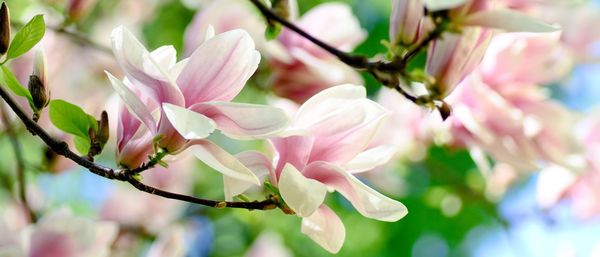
x,y
272,31
71,119
27,37
82,144
8,79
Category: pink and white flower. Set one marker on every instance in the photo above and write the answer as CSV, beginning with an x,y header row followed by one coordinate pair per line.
x,y
328,142
192,98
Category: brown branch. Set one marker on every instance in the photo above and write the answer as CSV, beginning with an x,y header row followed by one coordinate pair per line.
x,y
386,72
125,175
20,171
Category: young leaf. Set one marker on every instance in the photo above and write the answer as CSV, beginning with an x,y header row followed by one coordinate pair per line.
x,y
71,119
82,144
8,79
27,37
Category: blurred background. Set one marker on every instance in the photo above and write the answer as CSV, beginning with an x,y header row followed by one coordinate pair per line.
x,y
452,210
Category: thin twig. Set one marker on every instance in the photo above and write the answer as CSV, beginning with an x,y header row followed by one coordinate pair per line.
x,y
126,175
20,171
75,36
386,72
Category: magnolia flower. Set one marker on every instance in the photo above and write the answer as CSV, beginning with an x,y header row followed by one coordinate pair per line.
x,y
329,142
192,99
305,69
407,21
530,58
521,127
59,233
453,57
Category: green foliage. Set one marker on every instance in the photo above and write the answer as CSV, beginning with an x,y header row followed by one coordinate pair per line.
x,y
8,79
27,37
168,26
73,120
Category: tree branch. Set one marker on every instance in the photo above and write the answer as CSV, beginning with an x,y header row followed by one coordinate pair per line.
x,y
386,72
125,175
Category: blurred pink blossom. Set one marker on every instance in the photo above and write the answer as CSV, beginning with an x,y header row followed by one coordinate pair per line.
x,y
59,233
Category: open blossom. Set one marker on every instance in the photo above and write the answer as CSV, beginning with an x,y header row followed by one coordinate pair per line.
x,y
59,233
507,114
329,141
580,187
454,56
192,99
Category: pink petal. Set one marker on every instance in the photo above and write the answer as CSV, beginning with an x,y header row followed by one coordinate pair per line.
x,y
367,201
342,135
140,65
325,228
219,68
244,121
189,124
133,103
294,150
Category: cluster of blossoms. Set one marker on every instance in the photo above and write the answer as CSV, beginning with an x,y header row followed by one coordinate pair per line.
x,y
488,60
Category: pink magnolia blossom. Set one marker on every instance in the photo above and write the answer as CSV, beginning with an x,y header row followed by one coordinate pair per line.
x,y
305,69
529,58
328,142
521,127
59,233
454,56
579,186
192,98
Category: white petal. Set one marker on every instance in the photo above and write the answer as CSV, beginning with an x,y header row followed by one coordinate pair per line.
x,y
301,194
508,20
244,121
325,228
371,158
220,160
327,101
190,124
133,103
259,164
367,201
437,5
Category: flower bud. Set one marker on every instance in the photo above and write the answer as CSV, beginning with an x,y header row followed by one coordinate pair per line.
x,y
38,93
40,66
453,57
38,84
78,9
407,21
4,29
103,129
